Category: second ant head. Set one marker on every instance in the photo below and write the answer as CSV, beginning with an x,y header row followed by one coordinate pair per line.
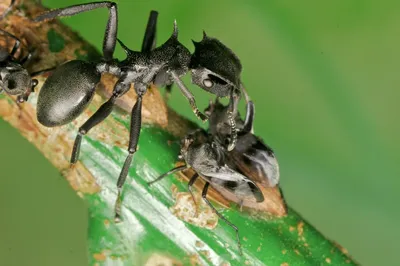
x,y
215,68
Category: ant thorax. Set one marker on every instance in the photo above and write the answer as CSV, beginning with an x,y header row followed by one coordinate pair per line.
x,y
154,66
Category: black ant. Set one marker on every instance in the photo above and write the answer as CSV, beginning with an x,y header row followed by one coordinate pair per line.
x,y
69,90
14,77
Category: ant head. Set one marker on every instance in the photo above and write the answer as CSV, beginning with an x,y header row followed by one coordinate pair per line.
x,y
15,80
215,68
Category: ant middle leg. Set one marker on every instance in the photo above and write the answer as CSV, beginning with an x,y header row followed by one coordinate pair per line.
x,y
136,124
102,113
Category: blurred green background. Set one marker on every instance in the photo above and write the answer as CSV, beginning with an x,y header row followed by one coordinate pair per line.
x,y
324,76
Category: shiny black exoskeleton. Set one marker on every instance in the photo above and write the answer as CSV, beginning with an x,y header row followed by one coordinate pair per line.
x,y
14,78
68,91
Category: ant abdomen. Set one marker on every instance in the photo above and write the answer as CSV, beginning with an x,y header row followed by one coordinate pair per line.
x,y
67,92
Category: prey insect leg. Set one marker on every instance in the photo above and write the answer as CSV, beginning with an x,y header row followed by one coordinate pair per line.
x,y
170,172
190,184
204,196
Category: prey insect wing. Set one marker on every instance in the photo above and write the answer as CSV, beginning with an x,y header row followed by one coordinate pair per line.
x,y
238,184
256,160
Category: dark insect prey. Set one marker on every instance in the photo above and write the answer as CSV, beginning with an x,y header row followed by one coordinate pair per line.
x,y
235,172
69,90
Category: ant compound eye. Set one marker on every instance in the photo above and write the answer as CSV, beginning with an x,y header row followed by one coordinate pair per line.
x,y
208,83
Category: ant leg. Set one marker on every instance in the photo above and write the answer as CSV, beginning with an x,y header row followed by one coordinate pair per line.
x,y
248,122
246,95
204,196
232,112
12,3
136,124
17,41
16,46
101,114
149,41
110,36
189,96
40,72
26,59
170,172
190,184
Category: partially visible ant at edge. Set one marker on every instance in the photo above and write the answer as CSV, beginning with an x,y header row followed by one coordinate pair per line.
x,y
70,88
236,172
14,77
11,6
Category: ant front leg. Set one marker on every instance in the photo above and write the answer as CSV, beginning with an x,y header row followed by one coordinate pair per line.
x,y
246,95
110,36
189,96
102,113
248,122
232,112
